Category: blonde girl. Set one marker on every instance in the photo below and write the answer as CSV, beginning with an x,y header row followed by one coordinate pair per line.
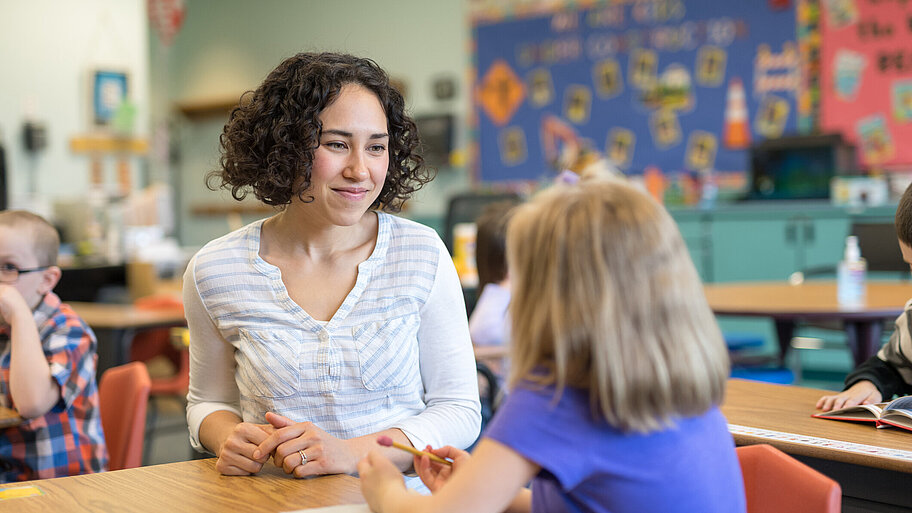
x,y
618,370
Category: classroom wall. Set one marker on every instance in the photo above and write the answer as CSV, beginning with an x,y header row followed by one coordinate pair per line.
x,y
49,48
227,46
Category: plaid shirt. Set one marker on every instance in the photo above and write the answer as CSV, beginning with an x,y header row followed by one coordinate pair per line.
x,y
67,440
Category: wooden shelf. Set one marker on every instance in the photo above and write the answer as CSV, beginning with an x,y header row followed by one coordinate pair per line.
x,y
108,144
209,107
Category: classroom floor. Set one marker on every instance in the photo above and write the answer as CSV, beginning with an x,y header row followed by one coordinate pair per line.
x,y
169,438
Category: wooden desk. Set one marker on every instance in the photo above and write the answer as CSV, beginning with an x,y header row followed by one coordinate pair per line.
x,y
115,325
9,417
813,301
126,316
858,455
185,486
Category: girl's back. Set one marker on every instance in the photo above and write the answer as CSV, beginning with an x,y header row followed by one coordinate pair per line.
x,y
607,309
590,466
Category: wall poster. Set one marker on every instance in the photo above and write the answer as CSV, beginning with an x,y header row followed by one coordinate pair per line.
x,y
677,85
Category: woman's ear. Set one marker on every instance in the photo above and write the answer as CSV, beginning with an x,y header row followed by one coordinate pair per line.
x,y
49,279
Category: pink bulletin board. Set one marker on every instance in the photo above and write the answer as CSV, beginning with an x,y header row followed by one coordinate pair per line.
x,y
866,78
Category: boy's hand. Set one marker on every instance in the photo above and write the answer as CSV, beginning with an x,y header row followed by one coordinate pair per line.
x,y
434,475
863,392
12,304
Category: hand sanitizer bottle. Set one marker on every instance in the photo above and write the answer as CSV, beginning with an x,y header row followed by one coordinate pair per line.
x,y
850,276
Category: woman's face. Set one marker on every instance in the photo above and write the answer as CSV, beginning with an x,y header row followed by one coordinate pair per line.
x,y
350,165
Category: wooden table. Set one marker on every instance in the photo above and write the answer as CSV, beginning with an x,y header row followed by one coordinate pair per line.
x,y
186,486
116,324
789,304
781,416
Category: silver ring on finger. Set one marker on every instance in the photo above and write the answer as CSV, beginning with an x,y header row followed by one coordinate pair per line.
x,y
303,456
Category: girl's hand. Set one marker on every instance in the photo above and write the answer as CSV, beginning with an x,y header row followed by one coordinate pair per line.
x,y
379,478
325,453
236,455
863,392
434,475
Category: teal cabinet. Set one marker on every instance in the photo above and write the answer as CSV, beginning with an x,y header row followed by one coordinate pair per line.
x,y
751,249
695,232
824,242
772,249
762,241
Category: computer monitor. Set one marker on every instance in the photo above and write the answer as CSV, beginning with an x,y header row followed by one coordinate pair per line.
x,y
879,246
799,167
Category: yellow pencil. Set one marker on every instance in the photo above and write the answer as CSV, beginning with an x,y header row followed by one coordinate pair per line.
x,y
388,442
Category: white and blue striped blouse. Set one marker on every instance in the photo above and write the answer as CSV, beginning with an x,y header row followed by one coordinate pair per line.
x,y
397,353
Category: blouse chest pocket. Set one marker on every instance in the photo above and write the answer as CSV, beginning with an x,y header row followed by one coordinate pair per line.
x,y
267,363
388,352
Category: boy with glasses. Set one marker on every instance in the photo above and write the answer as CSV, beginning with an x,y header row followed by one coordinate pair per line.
x,y
47,361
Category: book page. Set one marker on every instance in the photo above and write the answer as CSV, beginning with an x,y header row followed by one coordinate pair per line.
x,y
862,411
903,403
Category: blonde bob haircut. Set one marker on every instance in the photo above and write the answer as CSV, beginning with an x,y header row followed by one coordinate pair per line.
x,y
606,298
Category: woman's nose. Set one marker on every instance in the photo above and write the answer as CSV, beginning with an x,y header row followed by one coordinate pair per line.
x,y
357,167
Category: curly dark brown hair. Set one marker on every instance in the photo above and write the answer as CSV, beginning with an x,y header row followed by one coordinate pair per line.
x,y
268,144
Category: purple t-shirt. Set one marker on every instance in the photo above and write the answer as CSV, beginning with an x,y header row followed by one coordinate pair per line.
x,y
589,466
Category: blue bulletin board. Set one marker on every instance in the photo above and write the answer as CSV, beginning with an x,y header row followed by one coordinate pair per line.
x,y
672,84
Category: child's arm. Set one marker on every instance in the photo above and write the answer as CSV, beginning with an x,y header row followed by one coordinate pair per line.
x,y
491,480
32,388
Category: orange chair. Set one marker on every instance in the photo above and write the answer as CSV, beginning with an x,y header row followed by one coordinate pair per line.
x,y
774,482
174,345
123,392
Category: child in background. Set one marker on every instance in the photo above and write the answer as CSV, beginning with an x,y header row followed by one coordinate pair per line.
x,y
617,370
488,324
47,361
889,372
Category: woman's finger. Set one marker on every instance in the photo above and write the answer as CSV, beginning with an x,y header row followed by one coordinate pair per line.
x,y
316,464
278,421
281,435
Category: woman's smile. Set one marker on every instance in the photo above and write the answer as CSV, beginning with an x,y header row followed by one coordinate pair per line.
x,y
351,193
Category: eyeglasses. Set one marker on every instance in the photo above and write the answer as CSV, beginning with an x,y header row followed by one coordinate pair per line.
x,y
9,273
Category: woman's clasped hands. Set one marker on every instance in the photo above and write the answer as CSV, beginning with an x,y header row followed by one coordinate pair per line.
x,y
303,449
299,448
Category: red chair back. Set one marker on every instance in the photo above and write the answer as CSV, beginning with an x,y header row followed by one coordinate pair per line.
x,y
124,394
161,342
774,482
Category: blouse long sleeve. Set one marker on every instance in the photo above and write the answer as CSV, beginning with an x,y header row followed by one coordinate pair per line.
x,y
212,364
453,414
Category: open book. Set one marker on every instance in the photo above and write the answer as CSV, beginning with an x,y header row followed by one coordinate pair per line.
x,y
897,413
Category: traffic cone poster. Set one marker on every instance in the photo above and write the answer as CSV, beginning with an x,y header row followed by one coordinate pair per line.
x,y
736,132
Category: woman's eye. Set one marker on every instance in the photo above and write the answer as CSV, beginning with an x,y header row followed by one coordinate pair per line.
x,y
334,145
8,268
378,148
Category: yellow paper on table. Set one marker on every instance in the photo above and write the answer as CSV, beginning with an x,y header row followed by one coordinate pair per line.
x,y
15,492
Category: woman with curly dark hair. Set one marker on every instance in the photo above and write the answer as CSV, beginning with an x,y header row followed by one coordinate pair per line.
x,y
332,322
